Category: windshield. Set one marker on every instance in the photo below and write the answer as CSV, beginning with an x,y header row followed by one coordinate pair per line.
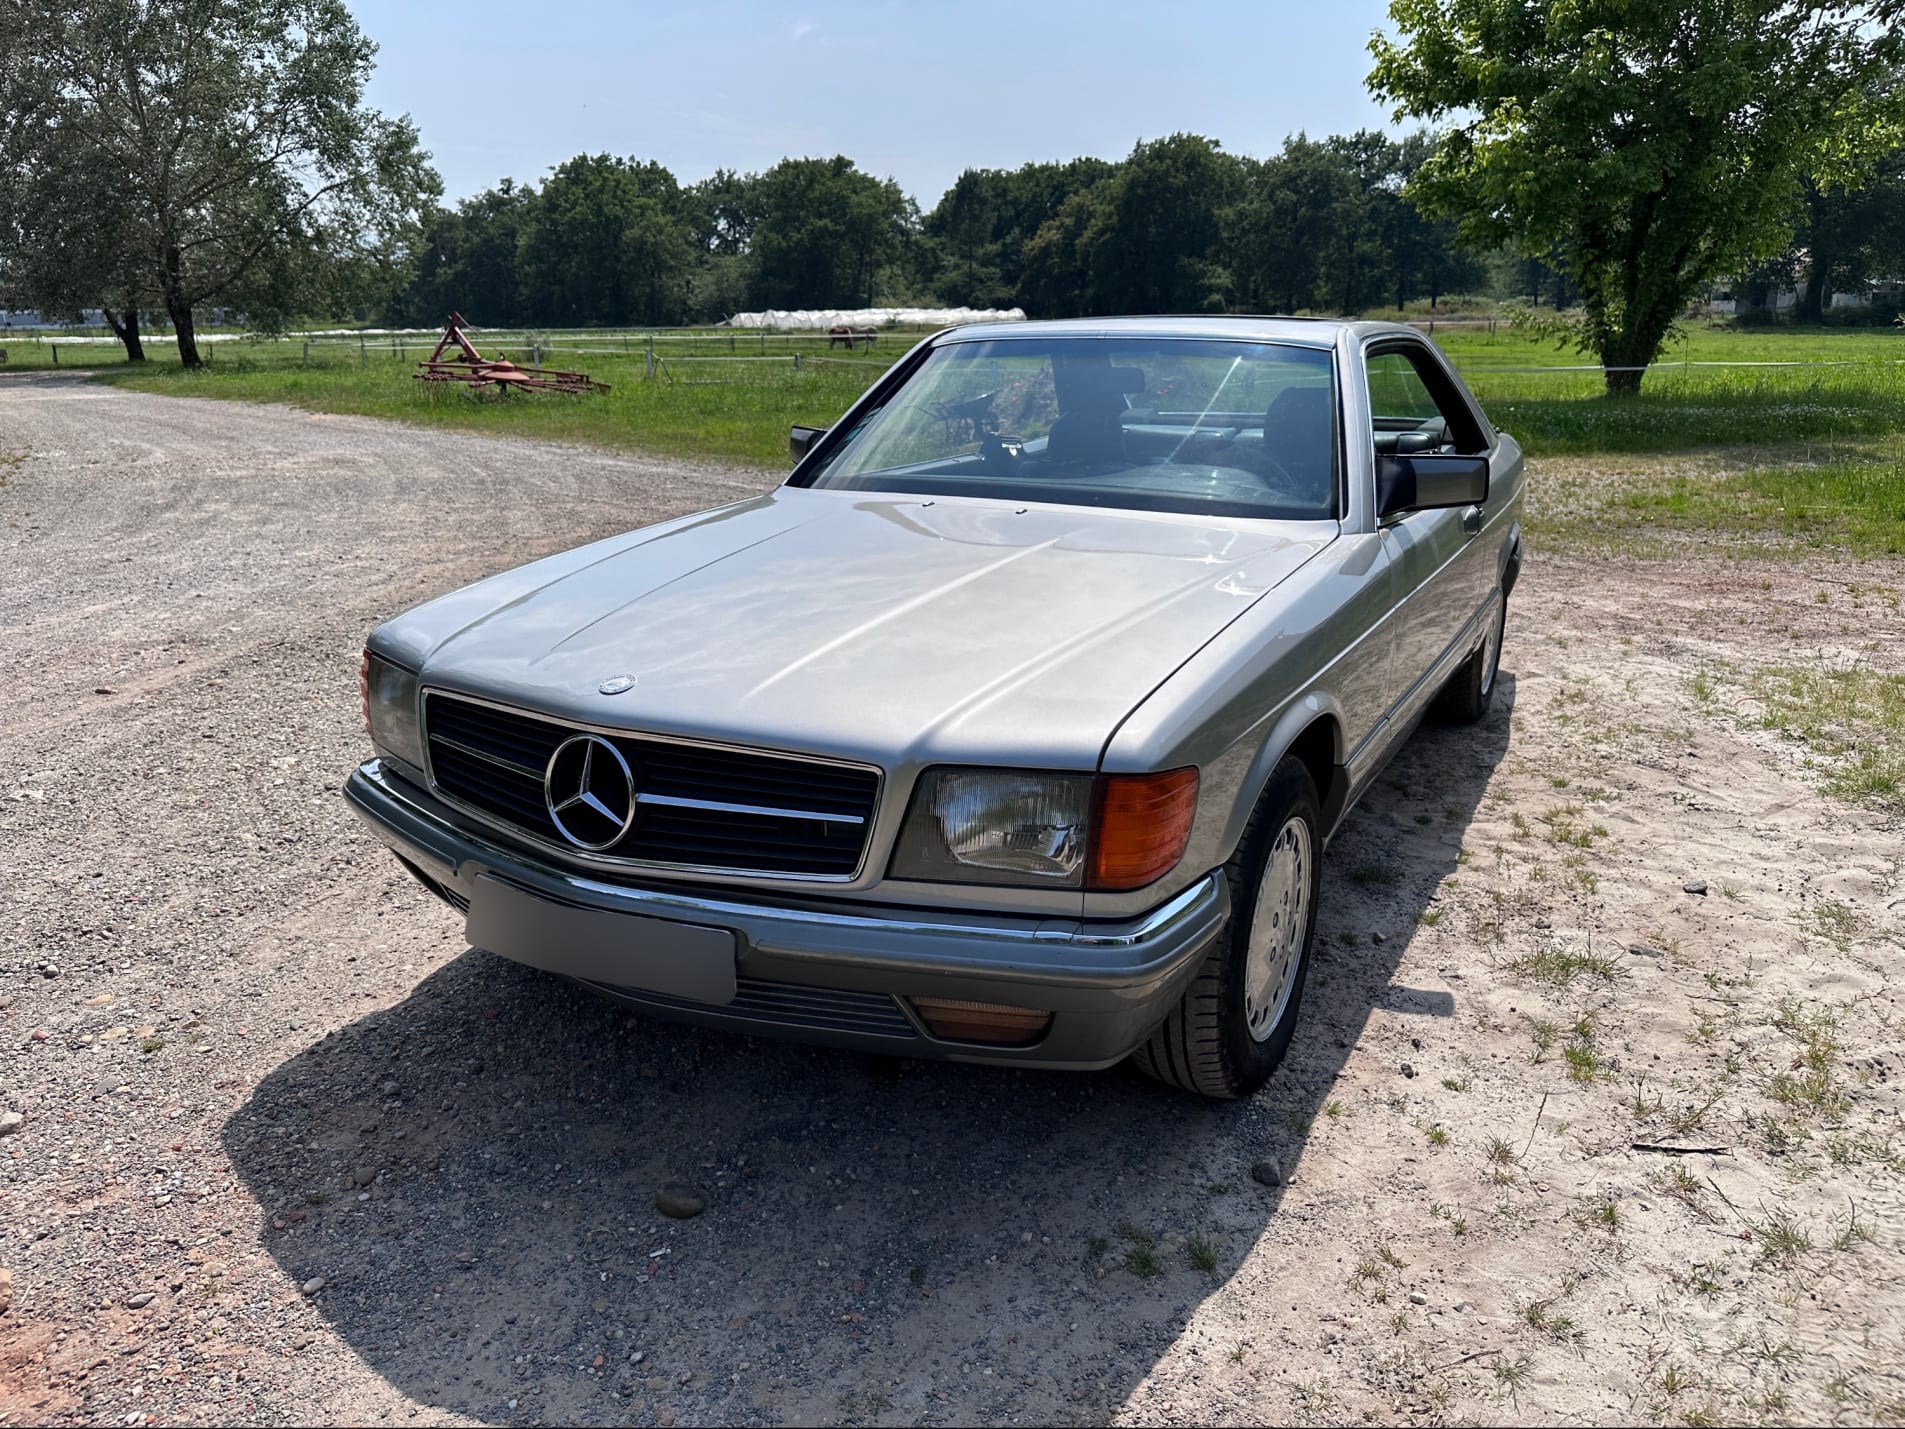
x,y
1159,424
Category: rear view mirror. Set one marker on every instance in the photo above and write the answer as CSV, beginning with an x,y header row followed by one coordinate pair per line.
x,y
800,441
1429,483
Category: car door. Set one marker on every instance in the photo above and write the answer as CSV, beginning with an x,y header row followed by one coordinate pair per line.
x,y
1415,409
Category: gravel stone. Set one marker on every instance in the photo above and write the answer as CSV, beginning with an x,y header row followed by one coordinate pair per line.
x,y
182,847
10,1122
1695,885
141,1300
680,1200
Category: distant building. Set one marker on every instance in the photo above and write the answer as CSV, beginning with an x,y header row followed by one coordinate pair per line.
x,y
18,318
1725,301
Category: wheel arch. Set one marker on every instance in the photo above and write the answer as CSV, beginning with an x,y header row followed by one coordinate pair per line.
x,y
1312,730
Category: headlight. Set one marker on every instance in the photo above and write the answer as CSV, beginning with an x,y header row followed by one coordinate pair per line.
x,y
996,826
1000,826
390,708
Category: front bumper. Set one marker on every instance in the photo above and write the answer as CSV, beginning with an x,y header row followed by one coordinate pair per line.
x,y
842,973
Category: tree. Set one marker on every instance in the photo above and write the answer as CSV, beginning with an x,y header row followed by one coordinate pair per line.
x,y
1154,239
1055,279
227,140
978,238
66,247
1656,143
606,242
1851,235
822,230
966,225
1426,253
1145,237
466,260
1280,230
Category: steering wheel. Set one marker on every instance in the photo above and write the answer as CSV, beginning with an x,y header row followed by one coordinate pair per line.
x,y
965,409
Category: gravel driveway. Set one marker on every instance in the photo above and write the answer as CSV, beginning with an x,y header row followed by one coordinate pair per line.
x,y
291,1151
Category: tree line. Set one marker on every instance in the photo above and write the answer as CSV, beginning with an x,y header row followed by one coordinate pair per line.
x,y
1177,226
163,156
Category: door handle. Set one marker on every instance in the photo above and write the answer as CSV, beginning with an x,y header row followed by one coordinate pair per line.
x,y
1471,520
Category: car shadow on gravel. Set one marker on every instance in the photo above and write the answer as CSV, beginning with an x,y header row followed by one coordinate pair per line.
x,y
473,1174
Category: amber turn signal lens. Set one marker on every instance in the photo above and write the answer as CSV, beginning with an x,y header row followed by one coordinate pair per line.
x,y
994,1022
1140,826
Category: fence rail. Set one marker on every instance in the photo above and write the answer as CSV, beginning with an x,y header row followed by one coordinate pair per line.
x,y
657,349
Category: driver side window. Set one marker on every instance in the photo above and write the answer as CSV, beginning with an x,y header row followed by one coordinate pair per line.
x,y
1413,409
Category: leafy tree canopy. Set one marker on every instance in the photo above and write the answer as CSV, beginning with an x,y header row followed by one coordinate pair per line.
x,y
221,150
1652,143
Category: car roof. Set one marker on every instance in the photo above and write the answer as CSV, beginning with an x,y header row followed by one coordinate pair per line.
x,y
1303,332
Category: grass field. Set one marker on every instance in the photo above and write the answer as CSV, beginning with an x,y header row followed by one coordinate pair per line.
x,y
1857,390
715,397
731,397
735,411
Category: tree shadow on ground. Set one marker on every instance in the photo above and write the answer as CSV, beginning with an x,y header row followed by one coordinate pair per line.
x,y
473,1172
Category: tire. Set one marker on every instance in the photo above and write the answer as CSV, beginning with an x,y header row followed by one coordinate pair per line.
x,y
1471,690
1219,1041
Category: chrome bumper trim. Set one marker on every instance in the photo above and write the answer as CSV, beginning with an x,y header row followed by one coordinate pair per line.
x,y
1061,955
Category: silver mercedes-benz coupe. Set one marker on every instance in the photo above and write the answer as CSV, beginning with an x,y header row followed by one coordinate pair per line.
x,y
1010,728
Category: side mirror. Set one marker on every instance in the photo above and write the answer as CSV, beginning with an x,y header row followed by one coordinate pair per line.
x,y
1429,483
800,441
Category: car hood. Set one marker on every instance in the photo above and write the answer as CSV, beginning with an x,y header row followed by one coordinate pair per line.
x,y
885,628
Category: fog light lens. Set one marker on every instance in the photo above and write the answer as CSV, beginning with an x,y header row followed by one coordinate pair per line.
x,y
997,1023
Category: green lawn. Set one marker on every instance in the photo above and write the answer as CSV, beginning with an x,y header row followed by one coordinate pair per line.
x,y
1854,506
706,401
719,408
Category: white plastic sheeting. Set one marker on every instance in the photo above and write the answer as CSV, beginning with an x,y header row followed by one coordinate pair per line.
x,y
874,317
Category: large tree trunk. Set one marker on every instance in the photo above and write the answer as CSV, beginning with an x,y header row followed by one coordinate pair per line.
x,y
178,306
1634,346
1621,380
1812,302
127,331
181,315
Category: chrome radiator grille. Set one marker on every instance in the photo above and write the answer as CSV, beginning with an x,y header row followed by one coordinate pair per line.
x,y
696,806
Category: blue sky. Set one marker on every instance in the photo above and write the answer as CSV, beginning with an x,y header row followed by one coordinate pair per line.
x,y
915,92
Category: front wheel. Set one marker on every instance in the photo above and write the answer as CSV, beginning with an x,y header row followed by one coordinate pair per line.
x,y
1234,1023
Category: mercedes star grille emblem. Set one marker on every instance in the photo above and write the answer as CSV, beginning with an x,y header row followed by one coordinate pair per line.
x,y
617,684
590,791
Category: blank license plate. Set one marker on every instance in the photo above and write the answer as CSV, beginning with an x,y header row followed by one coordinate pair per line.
x,y
623,949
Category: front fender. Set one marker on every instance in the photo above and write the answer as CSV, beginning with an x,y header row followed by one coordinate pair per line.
x,y
1316,722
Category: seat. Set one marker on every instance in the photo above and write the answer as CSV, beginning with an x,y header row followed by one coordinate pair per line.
x,y
1299,446
1091,404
